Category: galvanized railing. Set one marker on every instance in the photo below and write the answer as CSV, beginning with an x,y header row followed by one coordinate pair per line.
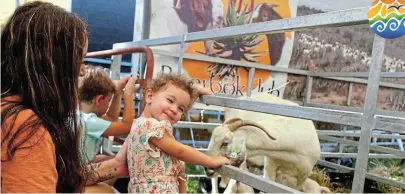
x,y
368,119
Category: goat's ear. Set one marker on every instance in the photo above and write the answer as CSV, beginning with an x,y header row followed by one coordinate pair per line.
x,y
230,121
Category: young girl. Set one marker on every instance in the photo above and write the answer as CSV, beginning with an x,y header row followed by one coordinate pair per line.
x,y
154,156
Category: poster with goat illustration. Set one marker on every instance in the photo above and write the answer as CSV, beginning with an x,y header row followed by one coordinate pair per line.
x,y
175,17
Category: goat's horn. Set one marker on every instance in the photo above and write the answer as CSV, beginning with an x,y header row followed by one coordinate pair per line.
x,y
240,123
230,121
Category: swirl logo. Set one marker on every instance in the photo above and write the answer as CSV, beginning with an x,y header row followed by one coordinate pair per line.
x,y
387,18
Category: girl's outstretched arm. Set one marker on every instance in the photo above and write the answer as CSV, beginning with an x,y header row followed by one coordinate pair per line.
x,y
187,153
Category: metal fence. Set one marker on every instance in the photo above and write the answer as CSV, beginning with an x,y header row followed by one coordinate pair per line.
x,y
367,118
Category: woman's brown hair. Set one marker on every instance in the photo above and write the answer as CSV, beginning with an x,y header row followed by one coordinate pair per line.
x,y
41,51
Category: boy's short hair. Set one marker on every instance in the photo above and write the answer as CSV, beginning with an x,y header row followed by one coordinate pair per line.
x,y
95,82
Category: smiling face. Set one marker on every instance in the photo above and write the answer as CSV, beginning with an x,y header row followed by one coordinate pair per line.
x,y
166,104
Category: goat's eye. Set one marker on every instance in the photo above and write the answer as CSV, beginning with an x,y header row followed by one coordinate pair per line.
x,y
224,145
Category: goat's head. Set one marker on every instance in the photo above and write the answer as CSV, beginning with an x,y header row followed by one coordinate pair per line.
x,y
224,143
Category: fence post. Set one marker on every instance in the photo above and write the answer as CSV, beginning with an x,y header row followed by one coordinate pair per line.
x,y
309,90
348,103
250,81
180,62
368,118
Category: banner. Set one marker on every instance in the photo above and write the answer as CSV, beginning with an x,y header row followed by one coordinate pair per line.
x,y
6,9
8,6
174,17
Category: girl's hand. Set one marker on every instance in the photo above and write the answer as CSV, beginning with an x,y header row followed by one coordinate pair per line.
x,y
219,161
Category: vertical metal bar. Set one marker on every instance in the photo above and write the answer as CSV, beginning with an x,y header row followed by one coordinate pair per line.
x,y
137,61
348,103
191,131
140,32
139,104
116,67
309,90
180,63
341,146
147,14
368,119
250,81
350,94
400,144
142,68
69,6
177,134
115,70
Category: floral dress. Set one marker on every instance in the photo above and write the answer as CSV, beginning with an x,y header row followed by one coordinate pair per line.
x,y
152,170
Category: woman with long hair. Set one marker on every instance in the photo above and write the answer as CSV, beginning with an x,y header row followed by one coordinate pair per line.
x,y
42,51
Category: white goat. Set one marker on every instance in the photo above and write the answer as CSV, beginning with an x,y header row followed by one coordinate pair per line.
x,y
233,186
290,145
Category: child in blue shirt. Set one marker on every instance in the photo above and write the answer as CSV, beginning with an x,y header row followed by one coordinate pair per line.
x,y
100,105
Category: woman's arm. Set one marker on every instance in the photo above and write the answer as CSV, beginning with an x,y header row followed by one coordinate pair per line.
x,y
102,171
115,167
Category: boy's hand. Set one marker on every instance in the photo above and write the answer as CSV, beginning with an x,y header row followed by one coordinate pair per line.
x,y
121,83
130,86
